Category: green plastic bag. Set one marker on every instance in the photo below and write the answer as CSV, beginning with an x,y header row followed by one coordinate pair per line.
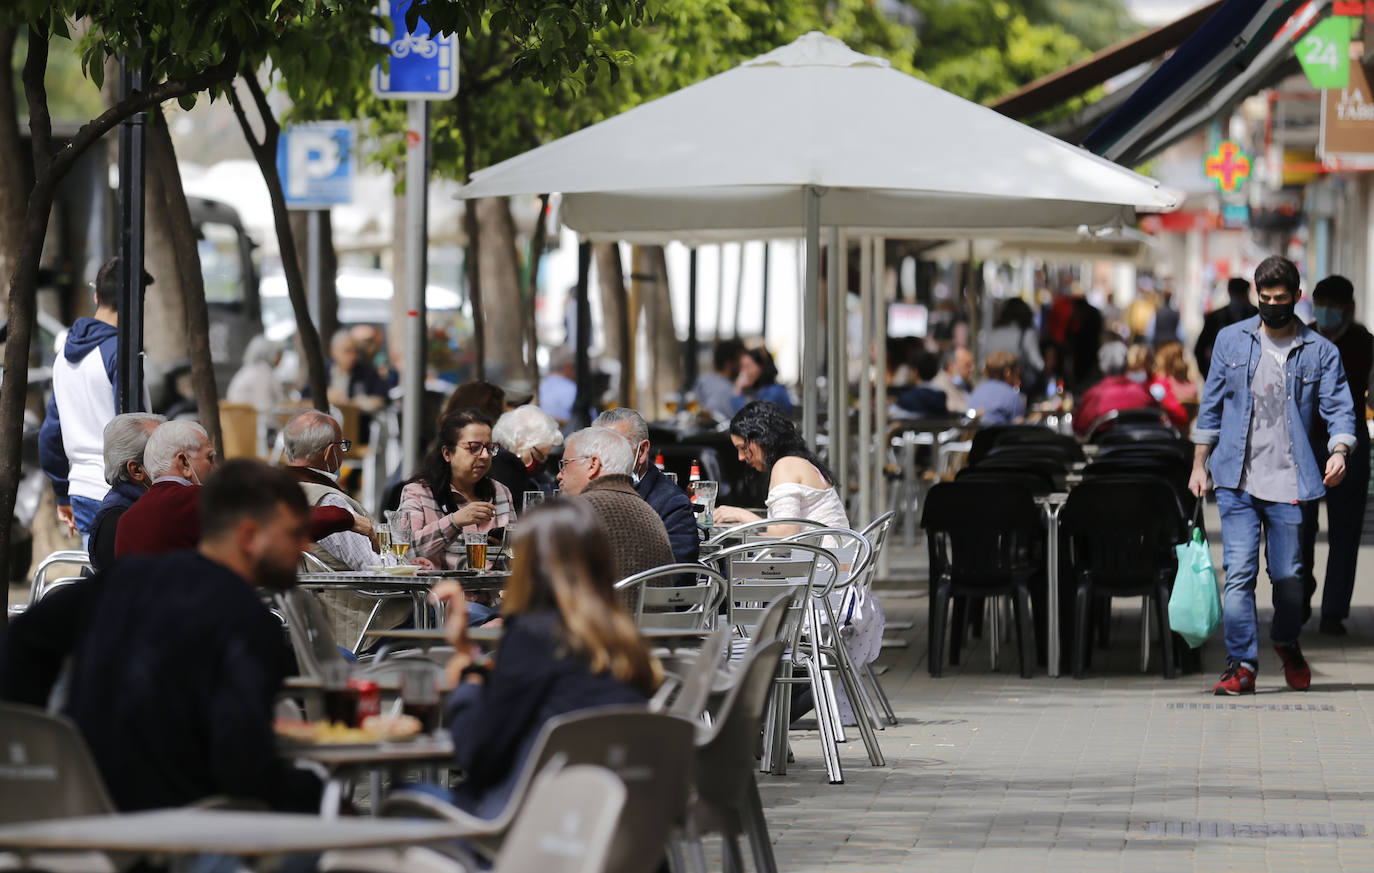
x,y
1195,605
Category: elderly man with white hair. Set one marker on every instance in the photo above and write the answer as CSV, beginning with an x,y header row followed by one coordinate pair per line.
x,y
662,494
596,467
314,450
126,436
167,518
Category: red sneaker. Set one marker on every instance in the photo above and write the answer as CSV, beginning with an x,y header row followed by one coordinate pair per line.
x,y
1238,679
1295,668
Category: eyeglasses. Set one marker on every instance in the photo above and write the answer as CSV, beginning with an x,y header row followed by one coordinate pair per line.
x,y
344,445
563,464
475,448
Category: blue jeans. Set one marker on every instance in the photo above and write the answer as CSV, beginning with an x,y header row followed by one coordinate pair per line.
x,y
84,510
1243,518
1345,504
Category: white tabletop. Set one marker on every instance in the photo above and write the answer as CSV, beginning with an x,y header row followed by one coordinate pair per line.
x,y
192,831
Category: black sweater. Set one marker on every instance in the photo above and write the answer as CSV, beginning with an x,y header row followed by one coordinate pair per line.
x,y
176,663
494,725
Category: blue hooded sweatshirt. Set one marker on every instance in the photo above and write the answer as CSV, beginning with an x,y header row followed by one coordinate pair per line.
x,y
73,430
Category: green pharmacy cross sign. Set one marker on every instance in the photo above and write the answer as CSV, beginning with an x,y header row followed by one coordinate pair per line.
x,y
1228,165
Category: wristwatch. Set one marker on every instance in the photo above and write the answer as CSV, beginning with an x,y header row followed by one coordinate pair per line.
x,y
1341,449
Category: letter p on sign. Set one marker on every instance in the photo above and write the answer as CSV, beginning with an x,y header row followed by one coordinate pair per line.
x,y
316,164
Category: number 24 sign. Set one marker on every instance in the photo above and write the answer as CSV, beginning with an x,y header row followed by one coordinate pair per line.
x,y
1324,53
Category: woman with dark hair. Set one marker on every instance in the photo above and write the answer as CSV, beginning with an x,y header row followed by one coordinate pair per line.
x,y
567,646
486,398
800,485
452,494
758,380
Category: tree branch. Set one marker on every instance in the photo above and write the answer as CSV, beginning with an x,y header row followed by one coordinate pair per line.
x,y
270,129
135,103
242,116
36,92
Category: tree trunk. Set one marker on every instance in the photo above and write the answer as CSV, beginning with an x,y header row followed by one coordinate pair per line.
x,y
49,168
186,255
265,153
471,260
662,334
615,311
329,294
499,265
15,182
532,296
165,337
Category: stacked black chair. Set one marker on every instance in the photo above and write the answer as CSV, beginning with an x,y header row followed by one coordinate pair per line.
x,y
1121,532
981,536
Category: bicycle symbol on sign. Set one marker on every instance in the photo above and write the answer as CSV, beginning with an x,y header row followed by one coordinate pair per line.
x,y
420,44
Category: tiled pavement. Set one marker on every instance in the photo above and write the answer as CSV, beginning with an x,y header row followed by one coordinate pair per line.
x,y
1119,771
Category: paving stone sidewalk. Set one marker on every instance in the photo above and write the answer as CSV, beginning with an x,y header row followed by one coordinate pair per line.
x,y
1119,771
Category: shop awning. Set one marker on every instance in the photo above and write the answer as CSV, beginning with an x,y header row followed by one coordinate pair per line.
x,y
1236,52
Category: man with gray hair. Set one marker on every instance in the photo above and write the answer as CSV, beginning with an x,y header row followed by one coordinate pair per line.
x,y
314,450
125,438
596,467
167,517
666,498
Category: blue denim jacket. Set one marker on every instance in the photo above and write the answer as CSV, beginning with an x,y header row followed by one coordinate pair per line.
x,y
1315,385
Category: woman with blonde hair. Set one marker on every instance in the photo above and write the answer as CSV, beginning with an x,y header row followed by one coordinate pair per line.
x,y
567,646
1171,364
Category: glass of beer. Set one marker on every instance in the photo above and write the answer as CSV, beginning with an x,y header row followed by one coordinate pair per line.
x,y
705,492
477,550
384,542
400,538
672,402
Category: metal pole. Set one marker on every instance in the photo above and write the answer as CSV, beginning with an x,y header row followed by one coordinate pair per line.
x,y
832,288
811,291
582,366
880,377
413,428
314,254
839,363
866,384
763,304
132,139
689,372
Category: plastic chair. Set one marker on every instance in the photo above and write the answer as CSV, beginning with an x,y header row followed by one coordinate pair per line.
x,y
690,691
49,773
981,537
726,800
568,825
1120,537
648,751
661,599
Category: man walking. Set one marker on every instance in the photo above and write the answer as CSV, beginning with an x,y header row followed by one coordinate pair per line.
x,y
1271,378
1333,302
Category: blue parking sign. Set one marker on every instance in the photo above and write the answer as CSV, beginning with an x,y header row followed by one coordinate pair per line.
x,y
422,66
315,162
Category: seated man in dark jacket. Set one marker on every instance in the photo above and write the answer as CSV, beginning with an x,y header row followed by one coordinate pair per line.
x,y
668,500
125,438
175,660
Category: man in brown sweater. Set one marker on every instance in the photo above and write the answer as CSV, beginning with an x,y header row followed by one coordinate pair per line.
x,y
596,467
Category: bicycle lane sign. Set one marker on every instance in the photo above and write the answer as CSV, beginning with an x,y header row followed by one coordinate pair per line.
x,y
422,66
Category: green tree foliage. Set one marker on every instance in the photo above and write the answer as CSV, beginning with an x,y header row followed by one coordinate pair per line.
x,y
512,108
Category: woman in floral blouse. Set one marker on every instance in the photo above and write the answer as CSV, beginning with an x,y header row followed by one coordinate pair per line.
x,y
452,494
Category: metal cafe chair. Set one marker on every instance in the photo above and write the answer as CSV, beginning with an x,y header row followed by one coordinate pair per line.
x,y
680,596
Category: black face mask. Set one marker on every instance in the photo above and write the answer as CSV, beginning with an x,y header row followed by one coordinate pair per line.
x,y
1276,315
